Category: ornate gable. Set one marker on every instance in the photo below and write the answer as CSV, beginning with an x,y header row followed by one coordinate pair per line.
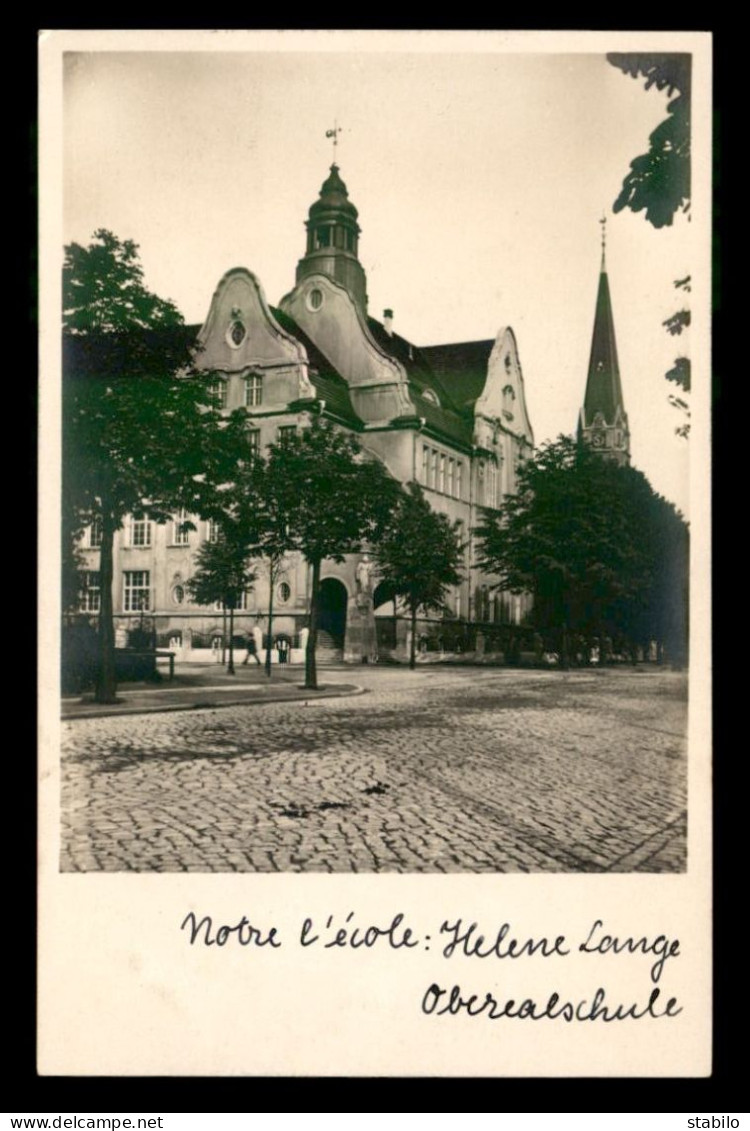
x,y
378,383
502,402
241,336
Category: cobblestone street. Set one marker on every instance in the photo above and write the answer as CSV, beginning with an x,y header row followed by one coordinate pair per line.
x,y
441,770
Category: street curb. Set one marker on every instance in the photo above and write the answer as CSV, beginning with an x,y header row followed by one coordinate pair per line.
x,y
353,690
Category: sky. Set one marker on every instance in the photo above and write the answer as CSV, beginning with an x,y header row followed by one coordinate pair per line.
x,y
480,170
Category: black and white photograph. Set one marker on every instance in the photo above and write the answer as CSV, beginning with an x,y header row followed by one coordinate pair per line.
x,y
375,491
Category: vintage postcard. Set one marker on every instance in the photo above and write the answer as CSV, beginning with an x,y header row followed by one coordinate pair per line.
x,y
375,625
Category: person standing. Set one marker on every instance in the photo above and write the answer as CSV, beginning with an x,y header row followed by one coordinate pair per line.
x,y
251,649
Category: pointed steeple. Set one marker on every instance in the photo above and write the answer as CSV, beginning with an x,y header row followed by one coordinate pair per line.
x,y
603,422
332,239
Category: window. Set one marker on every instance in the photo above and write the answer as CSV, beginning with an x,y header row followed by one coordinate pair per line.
x,y
178,594
212,530
430,396
179,535
284,592
140,532
90,600
286,433
237,333
136,590
218,389
481,497
441,472
253,441
95,534
490,486
253,390
240,607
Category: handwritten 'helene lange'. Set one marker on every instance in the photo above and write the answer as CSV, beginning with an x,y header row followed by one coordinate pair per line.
x,y
463,939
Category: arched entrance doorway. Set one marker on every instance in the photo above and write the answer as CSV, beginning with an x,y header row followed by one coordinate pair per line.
x,y
332,613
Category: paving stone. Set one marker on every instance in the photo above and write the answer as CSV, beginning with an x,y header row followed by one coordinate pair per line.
x,y
442,771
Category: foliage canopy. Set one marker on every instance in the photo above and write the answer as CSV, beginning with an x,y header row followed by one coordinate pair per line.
x,y
140,434
659,180
419,555
595,545
331,500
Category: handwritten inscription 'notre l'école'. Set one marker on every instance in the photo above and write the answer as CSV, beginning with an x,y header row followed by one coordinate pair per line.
x,y
459,938
463,939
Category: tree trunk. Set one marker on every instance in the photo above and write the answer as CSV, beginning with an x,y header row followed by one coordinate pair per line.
x,y
311,675
106,676
413,649
270,623
564,648
230,665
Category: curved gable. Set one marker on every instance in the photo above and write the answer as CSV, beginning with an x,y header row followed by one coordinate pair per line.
x,y
503,398
378,383
241,334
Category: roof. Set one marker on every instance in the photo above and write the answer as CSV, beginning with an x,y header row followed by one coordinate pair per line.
x,y
334,197
603,387
447,416
454,374
462,369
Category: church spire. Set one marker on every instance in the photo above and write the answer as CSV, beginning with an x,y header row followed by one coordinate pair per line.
x,y
333,239
603,422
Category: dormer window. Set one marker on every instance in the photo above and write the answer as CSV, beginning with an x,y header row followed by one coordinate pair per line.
x,y
431,397
507,363
509,397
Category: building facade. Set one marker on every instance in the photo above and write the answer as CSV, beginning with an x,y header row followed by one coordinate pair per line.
x,y
452,417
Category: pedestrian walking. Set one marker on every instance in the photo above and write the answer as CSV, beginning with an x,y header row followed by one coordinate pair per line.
x,y
251,649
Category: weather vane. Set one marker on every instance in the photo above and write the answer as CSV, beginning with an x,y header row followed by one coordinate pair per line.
x,y
334,134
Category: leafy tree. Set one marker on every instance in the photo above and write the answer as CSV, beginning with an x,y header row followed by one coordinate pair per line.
x,y
331,499
257,509
589,540
659,181
264,514
419,556
223,573
136,436
679,374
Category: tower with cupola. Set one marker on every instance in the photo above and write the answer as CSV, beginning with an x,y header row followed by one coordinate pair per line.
x,y
333,240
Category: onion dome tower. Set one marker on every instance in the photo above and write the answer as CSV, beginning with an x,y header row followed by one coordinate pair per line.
x,y
332,240
603,422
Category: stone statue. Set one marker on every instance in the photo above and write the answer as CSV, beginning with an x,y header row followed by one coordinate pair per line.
x,y
363,574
